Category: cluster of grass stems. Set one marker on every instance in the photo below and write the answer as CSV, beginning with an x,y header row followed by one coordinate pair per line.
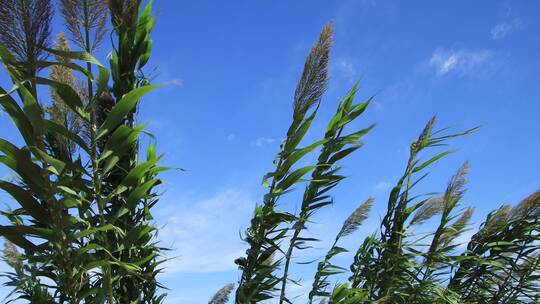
x,y
82,229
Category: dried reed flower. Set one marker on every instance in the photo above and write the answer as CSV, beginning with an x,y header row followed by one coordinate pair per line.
x,y
354,220
59,110
529,207
25,30
314,78
12,257
496,221
85,15
428,210
456,188
123,15
457,227
222,295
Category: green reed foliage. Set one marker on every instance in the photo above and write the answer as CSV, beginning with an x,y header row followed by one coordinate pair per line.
x,y
325,268
394,264
324,176
82,232
258,281
269,226
79,222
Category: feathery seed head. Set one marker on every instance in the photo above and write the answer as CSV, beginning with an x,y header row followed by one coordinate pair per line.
x,y
528,208
456,187
12,257
457,227
354,220
314,80
496,221
25,28
222,295
428,210
421,142
80,14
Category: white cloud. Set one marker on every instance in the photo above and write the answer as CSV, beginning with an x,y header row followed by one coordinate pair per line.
x,y
261,141
345,68
231,137
204,234
500,30
461,62
382,186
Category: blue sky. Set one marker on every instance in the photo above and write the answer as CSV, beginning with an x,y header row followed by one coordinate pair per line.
x,y
235,65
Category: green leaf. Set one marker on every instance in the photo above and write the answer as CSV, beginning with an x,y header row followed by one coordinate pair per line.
x,y
90,231
67,190
11,107
96,264
32,110
58,165
298,154
150,152
68,95
296,135
75,55
431,160
138,193
293,177
26,200
135,234
137,174
358,109
342,154
8,148
55,128
30,173
334,121
123,108
118,145
102,81
27,230
70,65
17,239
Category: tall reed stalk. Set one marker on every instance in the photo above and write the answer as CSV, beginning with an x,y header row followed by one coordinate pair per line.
x,y
81,228
80,223
393,264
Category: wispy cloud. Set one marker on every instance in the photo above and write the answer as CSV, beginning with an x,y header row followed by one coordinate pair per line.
x,y
460,62
231,137
344,68
261,141
204,233
501,30
382,186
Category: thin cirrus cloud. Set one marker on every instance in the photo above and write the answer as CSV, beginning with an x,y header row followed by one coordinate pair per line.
x,y
461,62
262,141
501,30
382,186
344,68
203,233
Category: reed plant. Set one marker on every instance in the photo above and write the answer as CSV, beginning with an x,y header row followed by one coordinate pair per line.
x,y
393,264
81,228
84,195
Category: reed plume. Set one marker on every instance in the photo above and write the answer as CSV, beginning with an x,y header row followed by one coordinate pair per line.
x,y
222,295
314,79
25,28
83,18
